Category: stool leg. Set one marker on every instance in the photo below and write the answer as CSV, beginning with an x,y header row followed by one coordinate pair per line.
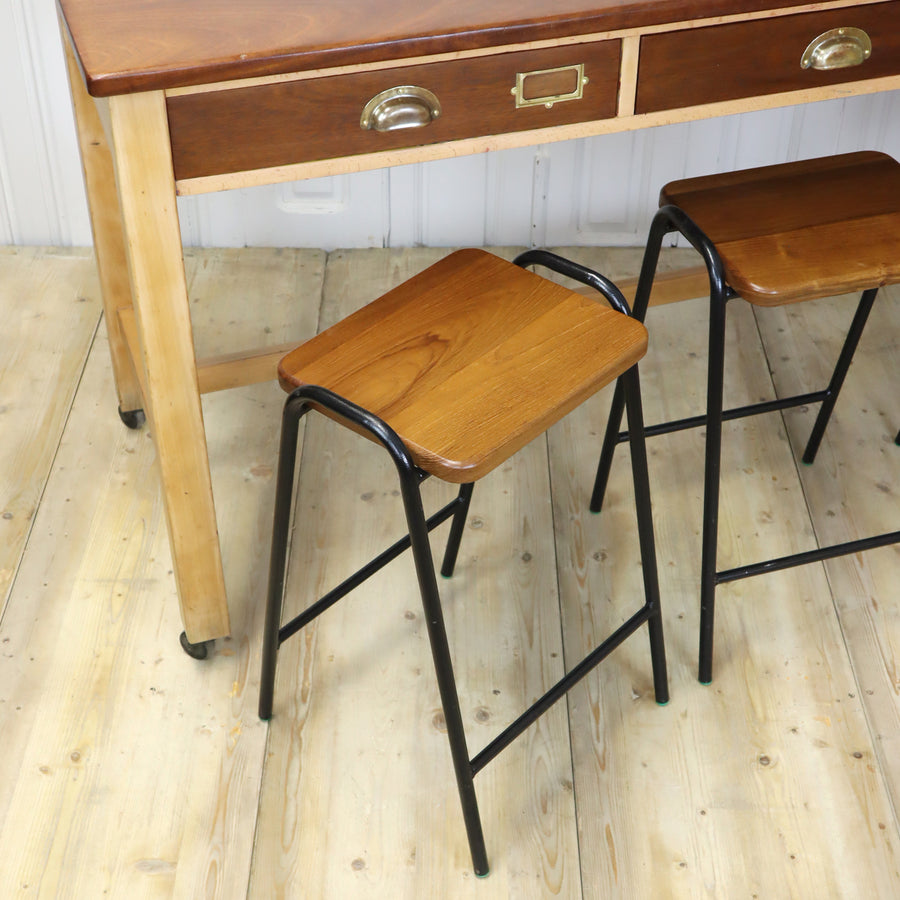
x,y
632,391
709,541
610,442
840,371
456,529
294,410
658,230
440,651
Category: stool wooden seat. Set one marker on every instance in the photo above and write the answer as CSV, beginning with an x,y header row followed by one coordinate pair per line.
x,y
792,232
772,235
470,360
452,372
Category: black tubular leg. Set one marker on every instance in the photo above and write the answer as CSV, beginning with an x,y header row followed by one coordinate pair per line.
x,y
840,371
658,230
456,529
294,409
608,451
440,651
631,388
709,542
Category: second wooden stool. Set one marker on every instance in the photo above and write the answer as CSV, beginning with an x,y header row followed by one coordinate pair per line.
x,y
772,235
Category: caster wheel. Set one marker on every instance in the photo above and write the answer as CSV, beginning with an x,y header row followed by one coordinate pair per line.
x,y
200,650
133,418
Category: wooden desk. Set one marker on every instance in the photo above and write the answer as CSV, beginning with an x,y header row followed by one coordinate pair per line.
x,y
188,96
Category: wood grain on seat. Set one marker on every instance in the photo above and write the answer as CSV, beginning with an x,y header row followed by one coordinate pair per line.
x,y
470,360
800,230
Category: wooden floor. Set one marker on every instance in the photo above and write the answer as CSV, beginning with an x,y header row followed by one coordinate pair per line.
x,y
129,770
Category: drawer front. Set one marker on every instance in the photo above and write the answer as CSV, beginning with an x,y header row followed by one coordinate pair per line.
x,y
300,121
730,62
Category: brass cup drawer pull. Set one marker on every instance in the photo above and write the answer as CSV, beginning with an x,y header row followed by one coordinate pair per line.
x,y
548,86
837,49
401,107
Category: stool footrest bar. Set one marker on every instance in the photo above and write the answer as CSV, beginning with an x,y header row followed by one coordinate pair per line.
x,y
800,559
363,574
568,681
739,412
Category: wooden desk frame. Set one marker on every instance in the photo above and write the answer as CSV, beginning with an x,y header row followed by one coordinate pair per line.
x,y
132,190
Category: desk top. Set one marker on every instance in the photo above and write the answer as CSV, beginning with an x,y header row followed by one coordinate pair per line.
x,y
127,46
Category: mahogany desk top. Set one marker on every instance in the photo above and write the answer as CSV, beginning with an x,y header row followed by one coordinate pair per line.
x,y
131,45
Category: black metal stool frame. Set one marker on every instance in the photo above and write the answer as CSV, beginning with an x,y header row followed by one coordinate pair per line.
x,y
673,219
309,397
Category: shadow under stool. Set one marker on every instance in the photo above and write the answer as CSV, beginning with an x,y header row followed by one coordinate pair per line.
x,y
451,373
772,235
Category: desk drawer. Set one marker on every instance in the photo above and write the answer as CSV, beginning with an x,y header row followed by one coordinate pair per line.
x,y
300,121
748,59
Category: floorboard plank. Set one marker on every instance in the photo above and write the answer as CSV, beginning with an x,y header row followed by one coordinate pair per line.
x,y
130,770
50,308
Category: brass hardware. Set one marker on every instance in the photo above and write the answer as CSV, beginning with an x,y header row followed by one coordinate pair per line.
x,y
551,79
837,49
406,106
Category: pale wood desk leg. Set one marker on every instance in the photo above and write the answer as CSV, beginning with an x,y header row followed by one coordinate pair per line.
x,y
153,245
106,226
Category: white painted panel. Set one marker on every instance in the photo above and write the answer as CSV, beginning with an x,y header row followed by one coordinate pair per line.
x,y
444,205
891,119
485,200
41,182
405,227
516,191
10,113
343,211
58,123
24,196
602,190
7,233
430,203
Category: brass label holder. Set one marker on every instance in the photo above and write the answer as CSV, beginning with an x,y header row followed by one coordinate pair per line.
x,y
545,87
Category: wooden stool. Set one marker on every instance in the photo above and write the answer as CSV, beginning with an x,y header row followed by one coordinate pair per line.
x,y
452,372
772,235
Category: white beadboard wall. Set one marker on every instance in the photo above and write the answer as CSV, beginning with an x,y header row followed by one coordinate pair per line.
x,y
595,191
